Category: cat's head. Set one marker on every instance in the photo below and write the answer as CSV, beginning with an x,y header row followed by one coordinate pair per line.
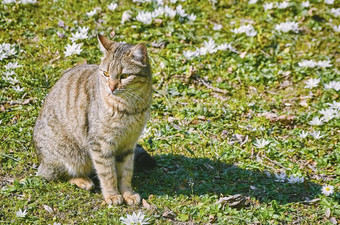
x,y
124,68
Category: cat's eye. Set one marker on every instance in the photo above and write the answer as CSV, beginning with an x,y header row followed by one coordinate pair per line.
x,y
106,74
124,76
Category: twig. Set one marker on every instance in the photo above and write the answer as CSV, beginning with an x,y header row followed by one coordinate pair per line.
x,y
161,82
272,161
211,87
311,201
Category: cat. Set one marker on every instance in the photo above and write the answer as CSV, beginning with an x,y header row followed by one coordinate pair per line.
x,y
91,121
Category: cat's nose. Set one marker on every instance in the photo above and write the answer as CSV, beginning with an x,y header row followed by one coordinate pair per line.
x,y
113,84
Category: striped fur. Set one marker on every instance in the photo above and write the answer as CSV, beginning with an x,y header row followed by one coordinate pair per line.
x,y
90,122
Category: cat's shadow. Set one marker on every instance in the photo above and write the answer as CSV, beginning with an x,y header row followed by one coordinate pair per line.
x,y
179,175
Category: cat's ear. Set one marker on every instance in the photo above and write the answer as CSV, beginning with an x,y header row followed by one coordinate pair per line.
x,y
139,54
104,43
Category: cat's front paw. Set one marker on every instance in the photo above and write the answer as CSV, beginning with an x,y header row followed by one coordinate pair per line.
x,y
114,199
131,198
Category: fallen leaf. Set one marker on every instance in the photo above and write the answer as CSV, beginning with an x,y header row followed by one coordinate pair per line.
x,y
243,54
169,214
112,33
48,208
328,212
26,101
234,201
147,205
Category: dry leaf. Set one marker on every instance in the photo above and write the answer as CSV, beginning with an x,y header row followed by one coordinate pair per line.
x,y
112,33
48,208
328,212
147,205
234,201
169,214
26,101
243,54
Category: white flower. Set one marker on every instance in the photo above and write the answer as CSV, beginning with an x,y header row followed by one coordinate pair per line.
x,y
226,46
134,219
316,121
209,46
9,73
18,88
328,114
126,16
21,213
261,143
303,134
169,11
190,54
112,6
330,2
7,76
160,2
11,65
158,12
316,134
307,63
248,29
180,11
8,1
192,17
91,13
6,50
251,33
333,84
287,26
283,5
73,49
335,12
334,105
305,4
217,27
12,80
28,1
268,5
242,29
293,180
162,65
78,36
141,1
312,83
327,190
250,2
280,177
336,28
144,17
324,64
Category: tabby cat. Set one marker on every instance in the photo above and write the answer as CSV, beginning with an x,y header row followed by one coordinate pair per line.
x,y
91,121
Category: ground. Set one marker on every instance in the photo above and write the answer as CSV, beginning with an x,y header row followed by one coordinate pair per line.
x,y
226,119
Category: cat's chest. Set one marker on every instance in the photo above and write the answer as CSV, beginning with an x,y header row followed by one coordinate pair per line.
x,y
124,129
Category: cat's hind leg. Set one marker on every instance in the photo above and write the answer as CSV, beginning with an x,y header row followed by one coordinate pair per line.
x,y
82,182
49,171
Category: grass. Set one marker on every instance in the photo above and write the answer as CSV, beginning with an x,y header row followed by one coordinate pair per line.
x,y
207,113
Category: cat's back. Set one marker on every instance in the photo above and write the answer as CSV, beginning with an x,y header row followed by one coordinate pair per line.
x,y
74,78
67,102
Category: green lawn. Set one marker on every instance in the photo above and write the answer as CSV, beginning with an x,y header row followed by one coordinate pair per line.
x,y
239,100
